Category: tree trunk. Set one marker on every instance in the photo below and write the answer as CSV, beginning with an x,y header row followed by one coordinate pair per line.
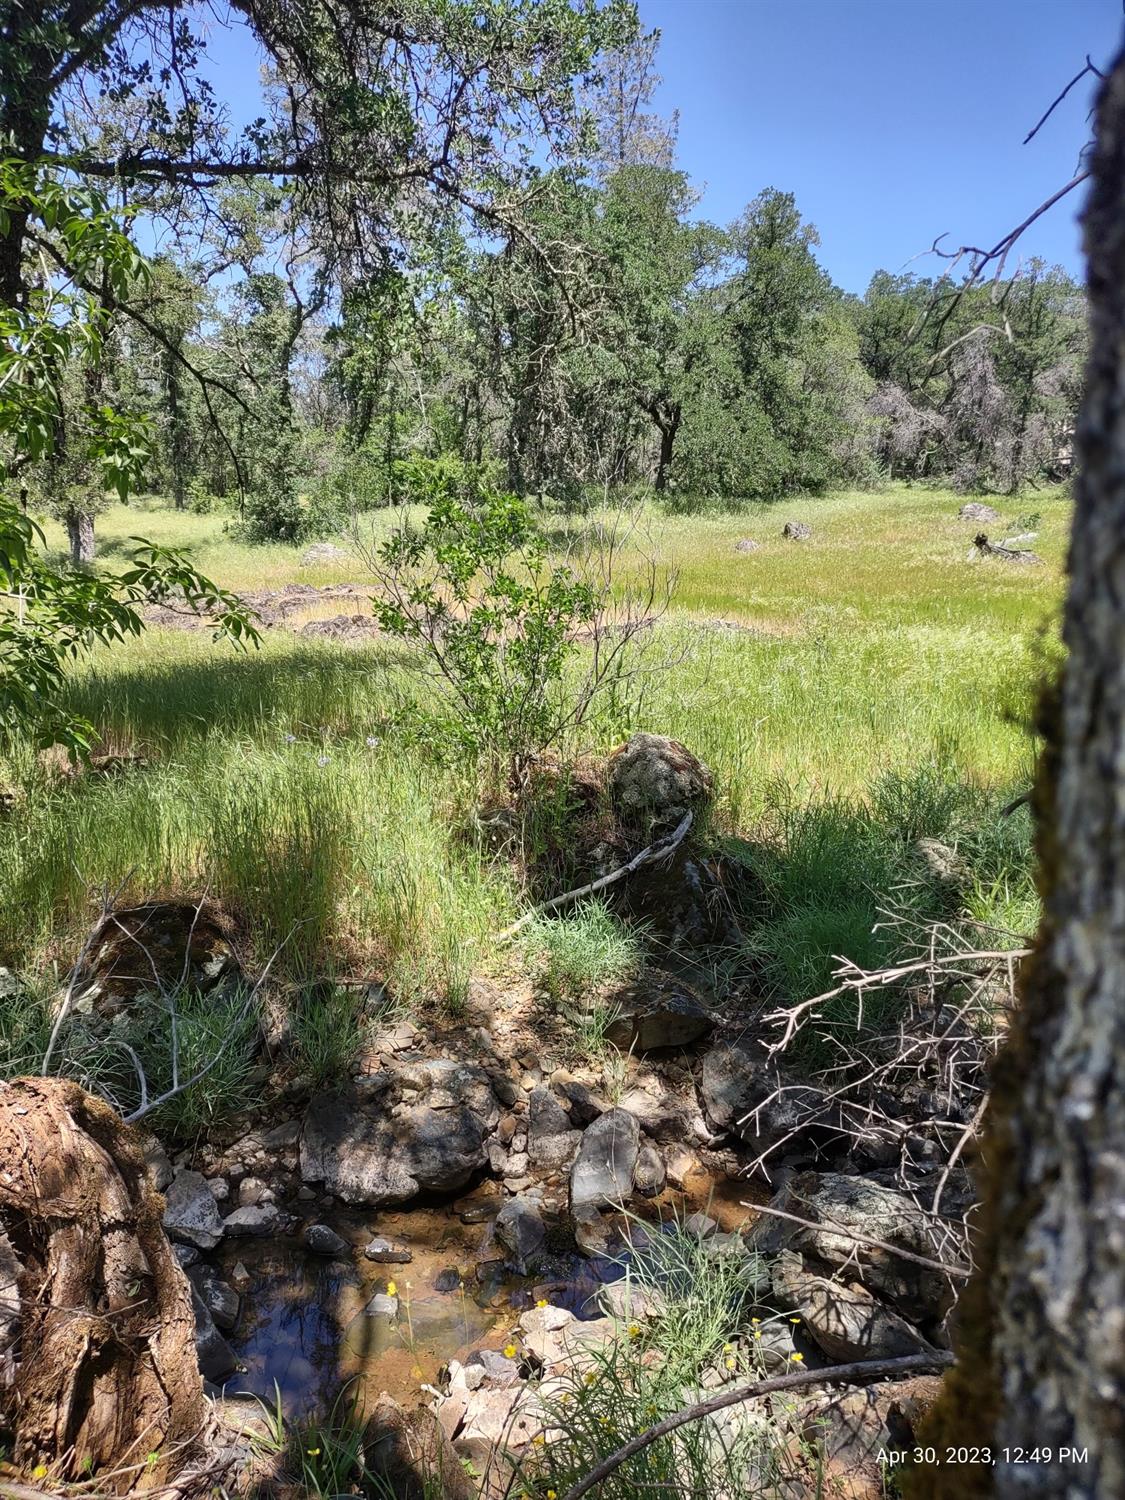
x,y
103,1383
1041,1345
80,532
668,426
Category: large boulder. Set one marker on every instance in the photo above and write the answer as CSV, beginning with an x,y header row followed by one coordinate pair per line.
x,y
602,1176
796,531
842,1317
841,1206
411,1129
976,510
408,1452
520,1229
744,1092
656,1011
653,781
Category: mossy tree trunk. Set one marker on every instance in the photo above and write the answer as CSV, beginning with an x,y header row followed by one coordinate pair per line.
x,y
101,1381
1041,1352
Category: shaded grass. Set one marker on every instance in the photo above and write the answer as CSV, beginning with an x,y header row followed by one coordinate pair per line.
x,y
851,694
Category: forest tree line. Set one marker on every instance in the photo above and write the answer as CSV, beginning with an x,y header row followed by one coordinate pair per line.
x,y
608,336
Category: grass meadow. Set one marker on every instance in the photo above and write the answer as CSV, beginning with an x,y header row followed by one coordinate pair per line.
x,y
851,693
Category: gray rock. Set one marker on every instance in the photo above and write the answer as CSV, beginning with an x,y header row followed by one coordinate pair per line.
x,y
386,1254
287,1134
324,552
551,1139
843,1318
217,1360
499,1369
157,1166
739,1086
382,1141
654,781
254,1221
656,1011
747,544
976,510
322,1240
602,1176
664,1117
406,1453
381,1305
649,1174
220,1299
796,531
521,1230
187,1255
190,1213
251,1190
942,862
867,1208
699,1226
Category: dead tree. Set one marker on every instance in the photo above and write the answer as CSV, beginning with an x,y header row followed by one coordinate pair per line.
x,y
102,1381
1040,1375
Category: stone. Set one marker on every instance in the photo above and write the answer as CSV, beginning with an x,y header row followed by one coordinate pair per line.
x,y
741,1089
254,1221
584,1105
406,1452
654,1012
372,1143
286,1134
843,1318
852,1426
976,510
699,1226
322,1240
628,1302
680,1161
219,1188
217,1360
251,1190
942,863
220,1299
190,1213
838,1204
520,1229
381,1305
649,1174
655,781
602,1175
499,1369
157,1166
747,544
187,1255
448,1280
517,1166
551,1139
796,531
385,1253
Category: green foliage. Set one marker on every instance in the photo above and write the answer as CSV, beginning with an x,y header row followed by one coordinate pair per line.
x,y
473,587
583,950
326,1033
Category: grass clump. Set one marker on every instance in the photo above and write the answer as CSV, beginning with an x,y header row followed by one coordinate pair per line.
x,y
326,1033
580,955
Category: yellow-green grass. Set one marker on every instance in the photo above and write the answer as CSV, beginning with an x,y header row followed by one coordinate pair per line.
x,y
812,676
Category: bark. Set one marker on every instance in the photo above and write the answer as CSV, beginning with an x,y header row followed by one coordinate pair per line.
x,y
106,1385
1041,1347
80,534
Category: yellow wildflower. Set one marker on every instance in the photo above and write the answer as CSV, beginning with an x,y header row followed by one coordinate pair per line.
x,y
509,1351
313,1452
39,1471
552,1495
794,1320
797,1358
730,1364
754,1322
634,1330
544,1303
757,1333
391,1288
589,1377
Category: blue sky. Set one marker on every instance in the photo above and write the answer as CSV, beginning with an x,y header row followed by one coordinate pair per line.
x,y
890,120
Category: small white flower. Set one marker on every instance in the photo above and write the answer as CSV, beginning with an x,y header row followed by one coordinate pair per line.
x,y
371,741
322,760
290,739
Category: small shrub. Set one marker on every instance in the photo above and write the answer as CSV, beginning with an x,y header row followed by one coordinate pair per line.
x,y
327,1034
585,950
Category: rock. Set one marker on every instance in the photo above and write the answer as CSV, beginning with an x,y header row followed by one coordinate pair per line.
x,y
219,1188
551,1140
490,1418
739,1088
374,1144
381,1305
662,1116
408,1453
585,1105
287,1134
942,863
322,1240
521,1230
386,1254
747,544
976,510
187,1255
498,1369
681,1163
217,1360
699,1226
190,1213
649,1175
796,531
843,1318
852,1426
157,1165
627,1302
321,553
251,1191
220,1299
654,1012
448,1280
518,1166
654,781
602,1176
856,1203
254,1221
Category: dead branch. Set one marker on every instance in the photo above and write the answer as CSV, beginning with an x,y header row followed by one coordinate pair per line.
x,y
863,1239
862,1370
660,849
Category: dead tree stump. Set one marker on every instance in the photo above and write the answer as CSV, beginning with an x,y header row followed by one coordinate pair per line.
x,y
102,1379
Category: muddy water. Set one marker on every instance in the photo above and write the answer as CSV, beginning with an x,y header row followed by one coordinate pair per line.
x,y
303,1324
303,1327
